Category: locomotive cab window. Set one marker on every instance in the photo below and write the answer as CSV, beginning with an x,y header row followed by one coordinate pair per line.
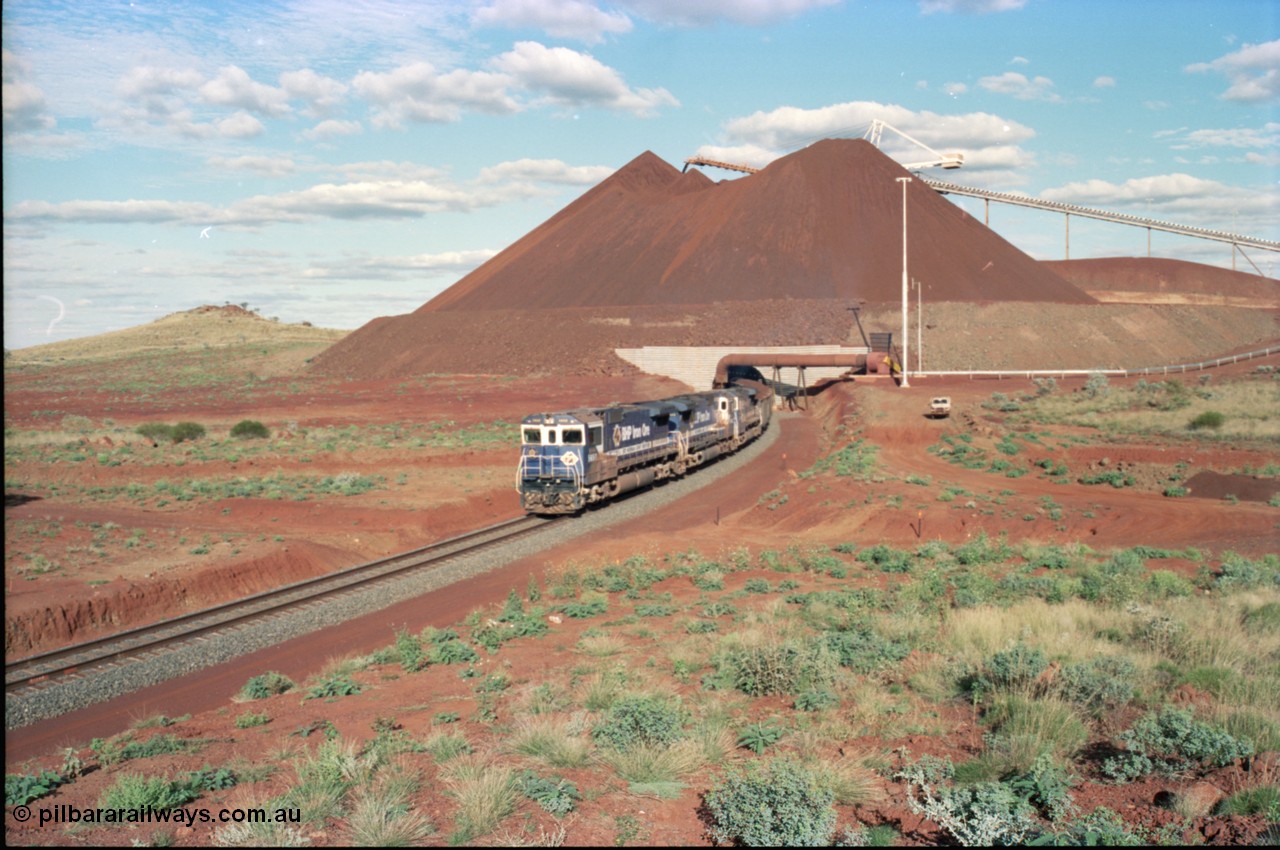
x,y
571,436
596,434
532,436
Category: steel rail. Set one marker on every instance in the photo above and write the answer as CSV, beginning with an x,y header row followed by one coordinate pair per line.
x,y
48,667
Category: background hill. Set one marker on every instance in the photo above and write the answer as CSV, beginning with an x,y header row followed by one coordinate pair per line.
x,y
198,329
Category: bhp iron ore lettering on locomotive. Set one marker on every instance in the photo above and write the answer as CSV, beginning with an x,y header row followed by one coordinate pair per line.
x,y
575,458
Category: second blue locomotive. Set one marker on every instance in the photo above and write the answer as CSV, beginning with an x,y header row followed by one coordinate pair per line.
x,y
575,458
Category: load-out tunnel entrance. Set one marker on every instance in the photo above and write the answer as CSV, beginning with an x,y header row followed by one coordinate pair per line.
x,y
854,363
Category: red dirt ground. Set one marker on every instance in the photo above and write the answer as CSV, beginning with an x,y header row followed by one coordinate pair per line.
x,y
738,512
690,243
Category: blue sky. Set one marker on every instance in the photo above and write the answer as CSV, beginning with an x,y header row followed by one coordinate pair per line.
x,y
337,160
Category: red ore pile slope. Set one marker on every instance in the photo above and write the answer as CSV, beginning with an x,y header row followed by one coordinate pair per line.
x,y
824,222
654,256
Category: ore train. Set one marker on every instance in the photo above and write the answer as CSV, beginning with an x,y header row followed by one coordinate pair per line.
x,y
576,458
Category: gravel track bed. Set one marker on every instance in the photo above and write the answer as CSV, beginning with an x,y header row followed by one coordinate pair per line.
x,y
97,686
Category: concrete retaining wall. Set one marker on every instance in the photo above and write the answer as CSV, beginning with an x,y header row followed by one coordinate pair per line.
x,y
696,366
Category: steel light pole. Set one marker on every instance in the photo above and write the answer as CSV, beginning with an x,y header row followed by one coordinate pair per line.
x,y
919,327
904,181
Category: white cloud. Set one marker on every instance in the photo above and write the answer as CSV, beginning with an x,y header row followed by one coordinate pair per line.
x,y
234,87
789,127
570,78
560,18
1253,71
1268,136
114,212
955,89
695,13
373,190
546,171
24,104
146,81
977,7
1270,160
417,92
1020,86
452,263
1183,198
1019,60
242,125
1104,82
263,166
322,94
333,128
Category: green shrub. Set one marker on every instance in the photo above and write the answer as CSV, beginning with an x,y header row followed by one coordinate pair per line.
x,y
1016,666
640,720
816,700
113,750
452,652
249,429
980,815
863,650
157,432
134,791
555,795
22,789
1047,786
1172,741
332,687
265,685
208,779
782,804
980,550
758,737
886,558
184,431
1099,683
590,605
1209,419
410,652
1100,828
778,666
248,720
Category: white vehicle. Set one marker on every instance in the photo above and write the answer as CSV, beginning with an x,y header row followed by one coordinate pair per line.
x,y
940,407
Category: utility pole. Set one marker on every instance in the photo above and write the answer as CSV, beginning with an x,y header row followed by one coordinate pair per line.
x,y
904,181
919,327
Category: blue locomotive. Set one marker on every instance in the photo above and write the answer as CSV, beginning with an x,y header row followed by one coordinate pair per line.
x,y
575,458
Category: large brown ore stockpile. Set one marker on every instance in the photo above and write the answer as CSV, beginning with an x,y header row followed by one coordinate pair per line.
x,y
655,256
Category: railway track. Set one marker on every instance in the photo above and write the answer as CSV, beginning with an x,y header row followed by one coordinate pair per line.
x,y
33,673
